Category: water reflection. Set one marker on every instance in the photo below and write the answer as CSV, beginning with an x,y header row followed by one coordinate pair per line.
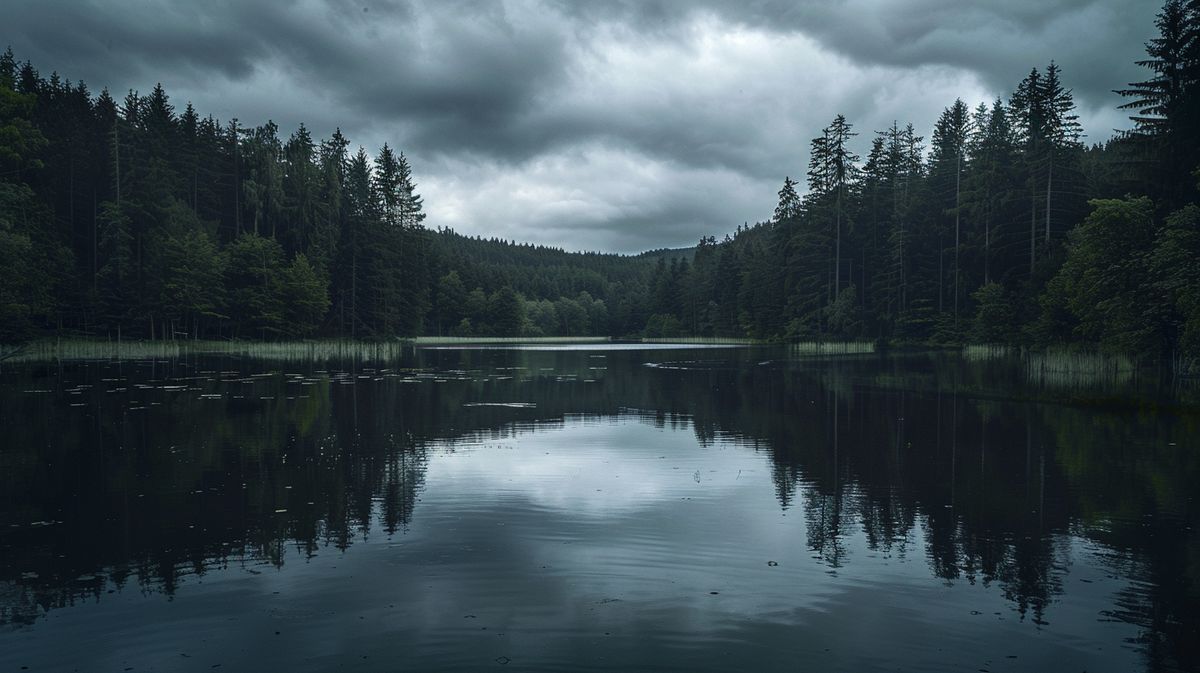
x,y
531,473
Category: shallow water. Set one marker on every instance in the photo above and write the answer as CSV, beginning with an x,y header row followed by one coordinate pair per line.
x,y
593,508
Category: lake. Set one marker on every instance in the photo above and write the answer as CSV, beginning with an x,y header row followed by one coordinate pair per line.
x,y
597,508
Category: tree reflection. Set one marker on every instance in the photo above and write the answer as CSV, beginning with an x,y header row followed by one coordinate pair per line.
x,y
168,470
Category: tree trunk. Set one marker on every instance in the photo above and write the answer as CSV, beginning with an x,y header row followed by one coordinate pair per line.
x,y
957,222
1032,227
1049,177
237,186
837,264
117,157
95,245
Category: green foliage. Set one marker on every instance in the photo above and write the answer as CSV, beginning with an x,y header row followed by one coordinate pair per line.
x,y
1056,324
995,316
572,318
189,282
1175,265
1166,107
20,141
304,295
844,318
449,302
506,313
17,288
477,310
116,278
541,318
254,282
661,326
1105,281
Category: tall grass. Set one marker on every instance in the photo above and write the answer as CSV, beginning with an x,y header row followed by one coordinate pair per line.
x,y
702,341
1075,369
455,341
832,347
981,352
1061,367
49,350
296,351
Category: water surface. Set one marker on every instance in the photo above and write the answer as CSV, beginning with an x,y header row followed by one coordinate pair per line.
x,y
594,508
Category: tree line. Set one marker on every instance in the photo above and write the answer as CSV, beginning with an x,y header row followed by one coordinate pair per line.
x,y
131,216
135,219
1003,227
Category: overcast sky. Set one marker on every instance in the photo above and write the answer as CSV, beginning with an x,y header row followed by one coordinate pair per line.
x,y
617,126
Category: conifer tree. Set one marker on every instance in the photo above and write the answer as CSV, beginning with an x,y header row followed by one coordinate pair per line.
x,y
947,163
1166,107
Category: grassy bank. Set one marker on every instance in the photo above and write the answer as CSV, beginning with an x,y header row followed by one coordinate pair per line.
x,y
473,341
50,350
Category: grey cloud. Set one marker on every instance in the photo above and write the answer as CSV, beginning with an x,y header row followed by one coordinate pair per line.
x,y
1096,40
509,84
469,75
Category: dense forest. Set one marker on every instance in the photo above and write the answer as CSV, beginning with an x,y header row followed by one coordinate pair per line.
x,y
1004,227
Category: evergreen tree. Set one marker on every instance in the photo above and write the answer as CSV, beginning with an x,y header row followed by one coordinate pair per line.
x,y
300,188
506,313
116,278
262,185
1166,107
1028,111
188,276
990,181
254,281
410,203
449,302
1062,131
305,297
946,167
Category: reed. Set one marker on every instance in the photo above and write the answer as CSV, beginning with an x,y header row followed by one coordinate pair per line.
x,y
832,347
983,352
1078,369
50,350
462,341
702,341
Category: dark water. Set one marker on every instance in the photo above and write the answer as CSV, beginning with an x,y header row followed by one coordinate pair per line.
x,y
715,509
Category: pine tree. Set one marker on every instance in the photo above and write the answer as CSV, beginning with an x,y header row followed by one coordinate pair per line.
x,y
362,207
1167,105
188,154
1061,129
388,185
300,187
263,183
947,163
789,202
410,202
1027,107
116,277
833,180
332,164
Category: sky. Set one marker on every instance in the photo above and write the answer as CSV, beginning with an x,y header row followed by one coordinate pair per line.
x,y
616,126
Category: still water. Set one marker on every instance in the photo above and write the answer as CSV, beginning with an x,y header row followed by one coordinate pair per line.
x,y
595,509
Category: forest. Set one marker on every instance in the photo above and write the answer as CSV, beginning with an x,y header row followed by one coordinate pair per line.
x,y
135,218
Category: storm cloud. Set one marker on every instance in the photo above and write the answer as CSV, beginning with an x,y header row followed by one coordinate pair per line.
x,y
617,126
